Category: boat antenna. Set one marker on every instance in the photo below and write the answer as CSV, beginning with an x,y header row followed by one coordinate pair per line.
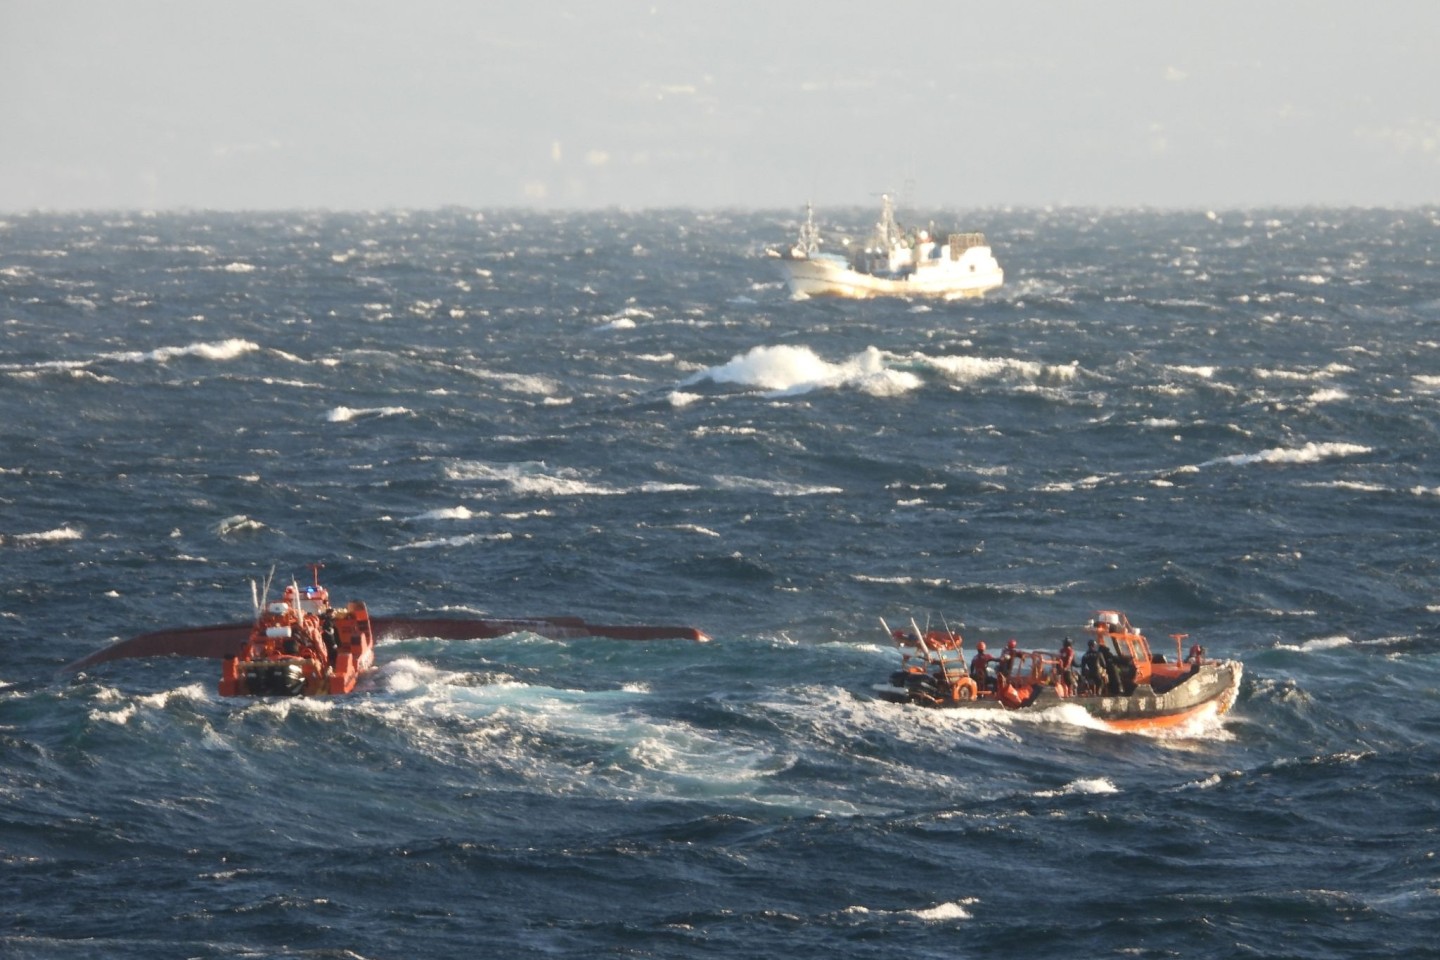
x,y
960,641
315,569
264,594
920,639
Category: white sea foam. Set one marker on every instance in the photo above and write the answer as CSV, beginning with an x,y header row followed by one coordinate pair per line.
x,y
1210,782
450,513
955,910
239,523
1299,375
939,913
516,382
1319,643
461,541
973,369
347,414
695,528
791,370
1309,453
58,535
680,399
221,350
778,488
1089,785
1204,373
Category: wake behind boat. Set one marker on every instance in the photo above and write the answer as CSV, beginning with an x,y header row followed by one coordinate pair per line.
x,y
1127,688
894,262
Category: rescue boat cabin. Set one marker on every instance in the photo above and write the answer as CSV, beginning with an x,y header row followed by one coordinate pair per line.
x,y
1125,641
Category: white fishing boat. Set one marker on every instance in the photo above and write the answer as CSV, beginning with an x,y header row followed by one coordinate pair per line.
x,y
893,262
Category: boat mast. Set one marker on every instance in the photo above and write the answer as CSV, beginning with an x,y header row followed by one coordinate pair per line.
x,y
809,242
888,231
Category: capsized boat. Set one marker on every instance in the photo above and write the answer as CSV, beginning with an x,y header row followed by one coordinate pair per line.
x,y
1119,680
893,262
301,646
224,640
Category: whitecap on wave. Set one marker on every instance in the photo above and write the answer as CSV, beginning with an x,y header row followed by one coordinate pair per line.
x,y
1319,643
939,913
1086,785
789,370
58,535
1309,453
347,414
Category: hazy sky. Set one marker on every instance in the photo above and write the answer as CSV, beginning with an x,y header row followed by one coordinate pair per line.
x,y
267,104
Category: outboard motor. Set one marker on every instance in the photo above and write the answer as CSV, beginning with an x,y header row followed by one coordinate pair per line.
x,y
275,679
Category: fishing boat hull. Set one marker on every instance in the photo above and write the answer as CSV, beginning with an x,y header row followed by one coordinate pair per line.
x,y
1211,690
222,640
822,276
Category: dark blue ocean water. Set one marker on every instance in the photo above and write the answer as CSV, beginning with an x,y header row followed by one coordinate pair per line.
x,y
1224,425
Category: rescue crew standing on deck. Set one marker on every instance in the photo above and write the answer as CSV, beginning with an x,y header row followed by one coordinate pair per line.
x,y
1066,665
978,664
1008,659
1092,670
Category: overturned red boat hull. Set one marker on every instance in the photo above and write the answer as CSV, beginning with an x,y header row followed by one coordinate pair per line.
x,y
223,640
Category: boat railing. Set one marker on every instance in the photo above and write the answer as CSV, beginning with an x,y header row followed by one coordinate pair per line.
x,y
960,242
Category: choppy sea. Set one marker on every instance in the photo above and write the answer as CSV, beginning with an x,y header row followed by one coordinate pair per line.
x,y
1223,424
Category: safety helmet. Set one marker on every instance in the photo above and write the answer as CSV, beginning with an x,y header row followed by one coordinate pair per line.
x,y
980,646
1011,645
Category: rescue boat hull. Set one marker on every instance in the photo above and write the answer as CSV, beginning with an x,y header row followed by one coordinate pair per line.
x,y
1212,689
350,652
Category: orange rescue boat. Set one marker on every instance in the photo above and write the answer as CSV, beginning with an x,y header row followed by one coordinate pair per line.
x,y
301,646
1118,680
